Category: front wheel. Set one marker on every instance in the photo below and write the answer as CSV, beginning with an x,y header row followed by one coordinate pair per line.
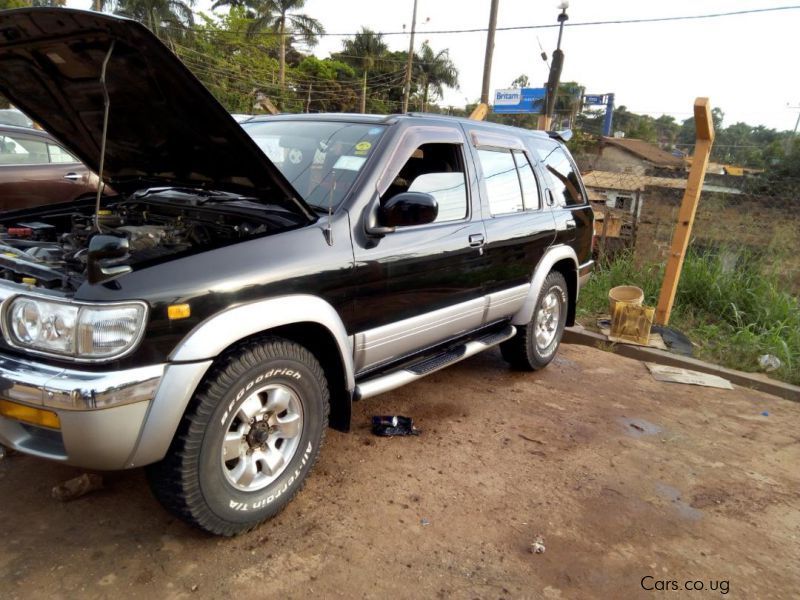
x,y
248,440
535,344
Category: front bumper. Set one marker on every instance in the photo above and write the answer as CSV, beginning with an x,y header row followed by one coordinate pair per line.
x,y
111,420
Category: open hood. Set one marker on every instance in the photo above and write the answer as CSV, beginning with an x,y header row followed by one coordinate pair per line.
x,y
164,128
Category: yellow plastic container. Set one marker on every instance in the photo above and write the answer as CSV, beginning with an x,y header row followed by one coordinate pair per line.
x,y
629,294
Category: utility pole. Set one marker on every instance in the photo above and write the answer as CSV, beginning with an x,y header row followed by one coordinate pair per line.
x,y
410,64
555,70
487,61
98,5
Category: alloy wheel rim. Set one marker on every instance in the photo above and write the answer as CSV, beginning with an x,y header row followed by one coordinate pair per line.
x,y
262,437
547,319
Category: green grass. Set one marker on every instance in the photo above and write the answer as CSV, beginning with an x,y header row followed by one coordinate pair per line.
x,y
732,313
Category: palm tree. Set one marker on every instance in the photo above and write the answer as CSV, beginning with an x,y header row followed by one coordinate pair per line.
x,y
366,51
435,71
159,16
279,16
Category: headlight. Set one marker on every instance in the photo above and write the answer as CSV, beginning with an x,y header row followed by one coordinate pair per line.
x,y
80,331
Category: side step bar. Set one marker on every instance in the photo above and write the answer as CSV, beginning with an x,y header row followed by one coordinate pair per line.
x,y
418,370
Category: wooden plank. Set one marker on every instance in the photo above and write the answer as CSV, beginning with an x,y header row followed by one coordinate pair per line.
x,y
704,127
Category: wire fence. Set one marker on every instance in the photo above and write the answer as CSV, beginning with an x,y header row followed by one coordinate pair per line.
x,y
736,217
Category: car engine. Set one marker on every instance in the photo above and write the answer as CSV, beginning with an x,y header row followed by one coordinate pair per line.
x,y
51,250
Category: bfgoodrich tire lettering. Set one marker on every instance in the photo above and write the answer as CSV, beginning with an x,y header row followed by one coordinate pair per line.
x,y
273,395
535,344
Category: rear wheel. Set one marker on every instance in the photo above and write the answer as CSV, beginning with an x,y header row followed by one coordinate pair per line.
x,y
248,440
536,343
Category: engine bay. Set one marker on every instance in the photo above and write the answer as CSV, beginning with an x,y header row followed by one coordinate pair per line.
x,y
50,249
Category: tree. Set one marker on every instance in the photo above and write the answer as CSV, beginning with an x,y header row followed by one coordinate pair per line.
x,y
234,69
280,17
168,19
435,70
7,4
366,51
521,82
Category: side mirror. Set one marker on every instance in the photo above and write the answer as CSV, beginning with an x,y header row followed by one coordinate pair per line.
x,y
408,208
101,249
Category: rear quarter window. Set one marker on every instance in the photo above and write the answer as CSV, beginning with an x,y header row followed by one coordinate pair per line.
x,y
565,180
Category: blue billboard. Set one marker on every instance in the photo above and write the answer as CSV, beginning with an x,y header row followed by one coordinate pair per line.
x,y
519,100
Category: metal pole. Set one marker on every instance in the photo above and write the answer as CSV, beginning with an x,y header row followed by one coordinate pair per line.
x,y
609,118
410,63
487,61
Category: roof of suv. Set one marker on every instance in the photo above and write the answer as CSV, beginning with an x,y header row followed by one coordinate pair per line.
x,y
390,119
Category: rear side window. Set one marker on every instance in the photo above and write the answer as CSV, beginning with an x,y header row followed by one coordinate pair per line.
x,y
527,180
501,180
510,182
564,178
22,151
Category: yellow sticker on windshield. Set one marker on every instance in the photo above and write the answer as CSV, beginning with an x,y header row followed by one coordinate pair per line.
x,y
362,148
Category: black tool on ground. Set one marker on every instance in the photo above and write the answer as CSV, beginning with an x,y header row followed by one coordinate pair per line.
x,y
394,425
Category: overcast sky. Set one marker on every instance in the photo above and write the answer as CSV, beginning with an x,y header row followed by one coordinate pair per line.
x,y
746,65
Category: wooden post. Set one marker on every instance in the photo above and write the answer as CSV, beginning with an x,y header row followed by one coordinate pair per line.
x,y
601,252
635,225
480,112
704,134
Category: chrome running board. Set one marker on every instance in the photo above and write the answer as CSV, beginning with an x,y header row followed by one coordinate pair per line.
x,y
431,364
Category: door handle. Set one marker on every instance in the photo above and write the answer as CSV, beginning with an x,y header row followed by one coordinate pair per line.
x,y
476,240
571,224
72,176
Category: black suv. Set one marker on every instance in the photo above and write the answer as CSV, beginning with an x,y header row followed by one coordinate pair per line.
x,y
246,283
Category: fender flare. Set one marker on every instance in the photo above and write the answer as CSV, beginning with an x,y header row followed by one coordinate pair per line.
x,y
553,255
209,338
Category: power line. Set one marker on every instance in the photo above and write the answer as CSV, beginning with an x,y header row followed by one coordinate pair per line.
x,y
523,27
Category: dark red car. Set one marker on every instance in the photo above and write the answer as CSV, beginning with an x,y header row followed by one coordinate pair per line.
x,y
35,170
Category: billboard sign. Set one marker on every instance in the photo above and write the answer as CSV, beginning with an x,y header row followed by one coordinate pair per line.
x,y
519,100
595,99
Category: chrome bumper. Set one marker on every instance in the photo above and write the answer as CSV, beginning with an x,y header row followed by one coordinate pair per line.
x,y
111,420
42,385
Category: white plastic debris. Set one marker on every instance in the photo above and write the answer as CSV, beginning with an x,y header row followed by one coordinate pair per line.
x,y
769,362
537,547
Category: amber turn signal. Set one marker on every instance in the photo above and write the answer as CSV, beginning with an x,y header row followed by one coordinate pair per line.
x,y
29,414
179,311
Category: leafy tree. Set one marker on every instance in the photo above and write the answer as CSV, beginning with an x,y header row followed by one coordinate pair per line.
x,y
435,70
8,4
168,19
365,50
280,17
521,81
233,67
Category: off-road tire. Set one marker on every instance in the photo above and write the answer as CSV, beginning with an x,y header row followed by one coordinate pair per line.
x,y
191,481
523,352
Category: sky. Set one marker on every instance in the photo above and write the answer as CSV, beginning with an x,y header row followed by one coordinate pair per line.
x,y
745,65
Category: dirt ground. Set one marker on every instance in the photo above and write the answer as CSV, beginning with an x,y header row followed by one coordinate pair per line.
x,y
625,481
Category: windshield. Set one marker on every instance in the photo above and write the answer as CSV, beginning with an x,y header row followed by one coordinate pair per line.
x,y
322,159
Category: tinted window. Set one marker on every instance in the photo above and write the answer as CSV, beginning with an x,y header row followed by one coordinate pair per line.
x,y
22,151
436,169
501,180
565,181
530,188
